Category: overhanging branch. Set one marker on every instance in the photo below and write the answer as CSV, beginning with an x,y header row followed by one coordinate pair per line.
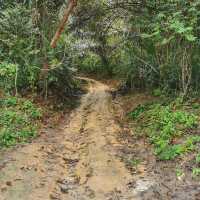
x,y
72,4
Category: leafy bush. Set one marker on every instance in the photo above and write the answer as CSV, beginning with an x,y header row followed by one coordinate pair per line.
x,y
198,159
139,110
90,63
163,125
196,172
18,37
25,41
18,122
7,76
157,92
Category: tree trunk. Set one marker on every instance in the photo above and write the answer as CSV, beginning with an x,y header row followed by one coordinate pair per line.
x,y
68,11
186,72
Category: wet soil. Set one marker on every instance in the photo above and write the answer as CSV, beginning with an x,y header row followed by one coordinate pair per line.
x,y
89,157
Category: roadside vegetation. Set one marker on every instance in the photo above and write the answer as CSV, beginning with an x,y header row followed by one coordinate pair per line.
x,y
35,80
19,120
171,127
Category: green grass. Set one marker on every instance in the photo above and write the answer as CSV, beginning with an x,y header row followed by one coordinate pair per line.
x,y
198,158
165,126
19,119
196,172
179,172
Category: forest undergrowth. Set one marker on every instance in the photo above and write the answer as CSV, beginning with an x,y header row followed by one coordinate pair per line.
x,y
171,127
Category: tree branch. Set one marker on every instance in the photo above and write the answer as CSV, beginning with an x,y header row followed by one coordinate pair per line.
x,y
72,4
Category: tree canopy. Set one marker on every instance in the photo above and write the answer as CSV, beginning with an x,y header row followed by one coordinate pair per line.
x,y
147,44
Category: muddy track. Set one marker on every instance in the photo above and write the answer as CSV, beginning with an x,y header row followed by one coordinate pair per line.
x,y
76,162
81,160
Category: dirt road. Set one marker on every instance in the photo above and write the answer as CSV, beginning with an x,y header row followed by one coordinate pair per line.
x,y
82,160
76,162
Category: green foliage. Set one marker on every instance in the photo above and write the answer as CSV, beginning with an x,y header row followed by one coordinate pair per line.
x,y
18,122
90,63
160,45
138,110
198,158
163,125
179,173
195,105
25,51
145,49
191,141
157,92
7,76
135,162
18,37
196,172
177,25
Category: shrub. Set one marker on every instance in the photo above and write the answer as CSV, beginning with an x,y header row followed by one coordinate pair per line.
x,y
90,63
163,124
7,76
19,120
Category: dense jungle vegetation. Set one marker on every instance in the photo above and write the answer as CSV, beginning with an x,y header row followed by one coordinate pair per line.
x,y
149,45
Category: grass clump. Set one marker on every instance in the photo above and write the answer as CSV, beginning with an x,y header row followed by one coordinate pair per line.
x,y
18,120
165,125
195,172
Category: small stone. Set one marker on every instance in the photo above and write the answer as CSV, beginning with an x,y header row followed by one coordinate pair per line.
x,y
9,183
64,188
67,184
55,196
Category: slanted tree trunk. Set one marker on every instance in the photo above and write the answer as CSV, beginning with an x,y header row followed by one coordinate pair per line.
x,y
70,8
186,71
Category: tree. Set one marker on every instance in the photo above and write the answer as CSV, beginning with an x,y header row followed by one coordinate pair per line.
x,y
69,9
